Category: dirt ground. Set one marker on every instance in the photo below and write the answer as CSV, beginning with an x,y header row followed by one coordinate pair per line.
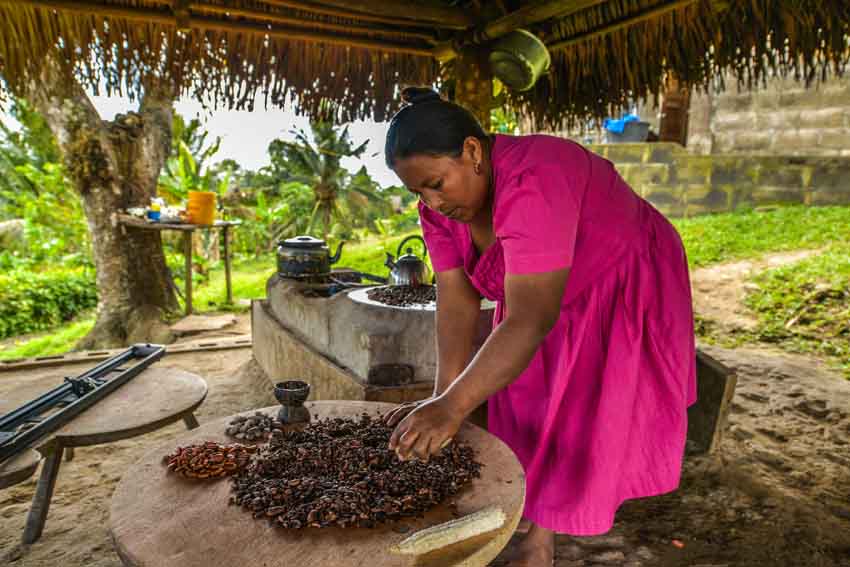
x,y
776,493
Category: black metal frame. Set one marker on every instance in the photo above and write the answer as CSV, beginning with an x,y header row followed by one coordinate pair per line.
x,y
76,395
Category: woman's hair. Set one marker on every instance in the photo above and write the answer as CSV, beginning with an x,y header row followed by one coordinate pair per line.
x,y
427,124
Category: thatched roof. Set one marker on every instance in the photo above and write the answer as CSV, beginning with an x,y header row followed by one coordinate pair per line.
x,y
348,56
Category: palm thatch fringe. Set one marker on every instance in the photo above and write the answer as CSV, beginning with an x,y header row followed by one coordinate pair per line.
x,y
333,60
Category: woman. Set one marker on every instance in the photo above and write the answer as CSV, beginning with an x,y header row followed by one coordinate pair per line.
x,y
590,366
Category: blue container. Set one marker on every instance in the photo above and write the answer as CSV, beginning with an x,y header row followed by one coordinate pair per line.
x,y
154,215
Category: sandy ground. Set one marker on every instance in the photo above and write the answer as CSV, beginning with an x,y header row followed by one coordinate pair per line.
x,y
719,290
777,493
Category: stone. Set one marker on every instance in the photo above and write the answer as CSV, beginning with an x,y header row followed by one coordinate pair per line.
x,y
568,551
753,140
607,541
644,553
839,139
608,557
823,118
735,120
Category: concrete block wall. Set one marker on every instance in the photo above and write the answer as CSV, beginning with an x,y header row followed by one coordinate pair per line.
x,y
683,184
782,117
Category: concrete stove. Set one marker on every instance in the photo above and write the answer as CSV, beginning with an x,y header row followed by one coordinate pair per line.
x,y
346,345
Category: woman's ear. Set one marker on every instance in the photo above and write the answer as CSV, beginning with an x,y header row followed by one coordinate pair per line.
x,y
473,149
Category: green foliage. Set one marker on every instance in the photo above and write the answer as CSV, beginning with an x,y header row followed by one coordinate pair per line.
x,y
805,306
33,144
32,301
55,341
503,120
730,236
35,188
342,201
185,169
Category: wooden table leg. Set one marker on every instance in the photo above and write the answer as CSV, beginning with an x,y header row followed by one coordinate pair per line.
x,y
187,253
190,421
43,493
229,287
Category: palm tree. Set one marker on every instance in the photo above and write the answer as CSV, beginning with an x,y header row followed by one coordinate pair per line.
x,y
317,164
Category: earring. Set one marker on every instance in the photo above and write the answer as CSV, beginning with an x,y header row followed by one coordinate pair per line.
x,y
477,168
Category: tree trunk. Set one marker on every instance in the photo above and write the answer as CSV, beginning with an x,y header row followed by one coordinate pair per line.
x,y
115,165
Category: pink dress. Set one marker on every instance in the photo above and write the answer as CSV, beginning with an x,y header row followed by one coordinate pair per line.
x,y
599,415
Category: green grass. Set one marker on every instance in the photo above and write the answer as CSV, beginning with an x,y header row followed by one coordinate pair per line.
x,y
249,276
733,236
805,306
708,240
57,341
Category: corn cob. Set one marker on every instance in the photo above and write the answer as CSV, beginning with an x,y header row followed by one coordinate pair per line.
x,y
451,532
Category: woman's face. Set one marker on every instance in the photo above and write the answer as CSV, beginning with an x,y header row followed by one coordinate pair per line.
x,y
449,185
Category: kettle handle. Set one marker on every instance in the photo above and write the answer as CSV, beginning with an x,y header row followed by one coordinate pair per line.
x,y
412,237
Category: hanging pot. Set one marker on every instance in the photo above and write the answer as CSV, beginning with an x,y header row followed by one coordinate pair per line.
x,y
519,59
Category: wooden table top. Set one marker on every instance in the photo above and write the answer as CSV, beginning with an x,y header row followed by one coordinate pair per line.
x,y
19,468
159,519
130,220
156,397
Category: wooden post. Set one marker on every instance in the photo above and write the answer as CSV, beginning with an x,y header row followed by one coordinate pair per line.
x,y
229,287
43,493
474,84
675,106
187,253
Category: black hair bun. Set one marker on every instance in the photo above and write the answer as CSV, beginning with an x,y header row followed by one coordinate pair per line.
x,y
416,95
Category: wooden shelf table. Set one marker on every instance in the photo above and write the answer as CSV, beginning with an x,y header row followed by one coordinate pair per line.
x,y
188,231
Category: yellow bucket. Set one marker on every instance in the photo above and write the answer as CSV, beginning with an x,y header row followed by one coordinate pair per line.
x,y
201,207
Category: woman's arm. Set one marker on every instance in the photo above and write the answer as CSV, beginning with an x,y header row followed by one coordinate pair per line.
x,y
533,304
458,309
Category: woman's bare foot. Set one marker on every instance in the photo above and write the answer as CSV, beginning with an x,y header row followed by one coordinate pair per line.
x,y
536,549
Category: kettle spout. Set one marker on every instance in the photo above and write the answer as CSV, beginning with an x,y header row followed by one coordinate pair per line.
x,y
390,262
335,258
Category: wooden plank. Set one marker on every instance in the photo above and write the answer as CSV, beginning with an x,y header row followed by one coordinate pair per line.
x,y
19,468
535,13
98,355
278,18
620,25
431,13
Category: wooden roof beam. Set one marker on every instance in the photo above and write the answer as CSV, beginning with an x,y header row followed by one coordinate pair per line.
x,y
626,22
144,15
388,11
276,18
524,17
533,14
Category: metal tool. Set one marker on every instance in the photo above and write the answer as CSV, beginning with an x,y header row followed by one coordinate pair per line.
x,y
21,428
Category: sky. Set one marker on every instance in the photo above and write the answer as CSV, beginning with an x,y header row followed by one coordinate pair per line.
x,y
245,136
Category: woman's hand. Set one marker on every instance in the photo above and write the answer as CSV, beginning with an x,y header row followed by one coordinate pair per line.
x,y
426,429
395,415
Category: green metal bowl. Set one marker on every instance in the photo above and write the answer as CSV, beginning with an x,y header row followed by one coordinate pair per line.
x,y
519,59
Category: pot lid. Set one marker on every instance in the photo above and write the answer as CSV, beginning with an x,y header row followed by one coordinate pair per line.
x,y
409,258
303,242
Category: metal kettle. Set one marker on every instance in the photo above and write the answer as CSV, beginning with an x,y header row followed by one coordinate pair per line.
x,y
409,269
305,256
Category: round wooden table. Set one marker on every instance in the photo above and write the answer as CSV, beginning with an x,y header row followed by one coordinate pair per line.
x,y
155,398
159,519
19,468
